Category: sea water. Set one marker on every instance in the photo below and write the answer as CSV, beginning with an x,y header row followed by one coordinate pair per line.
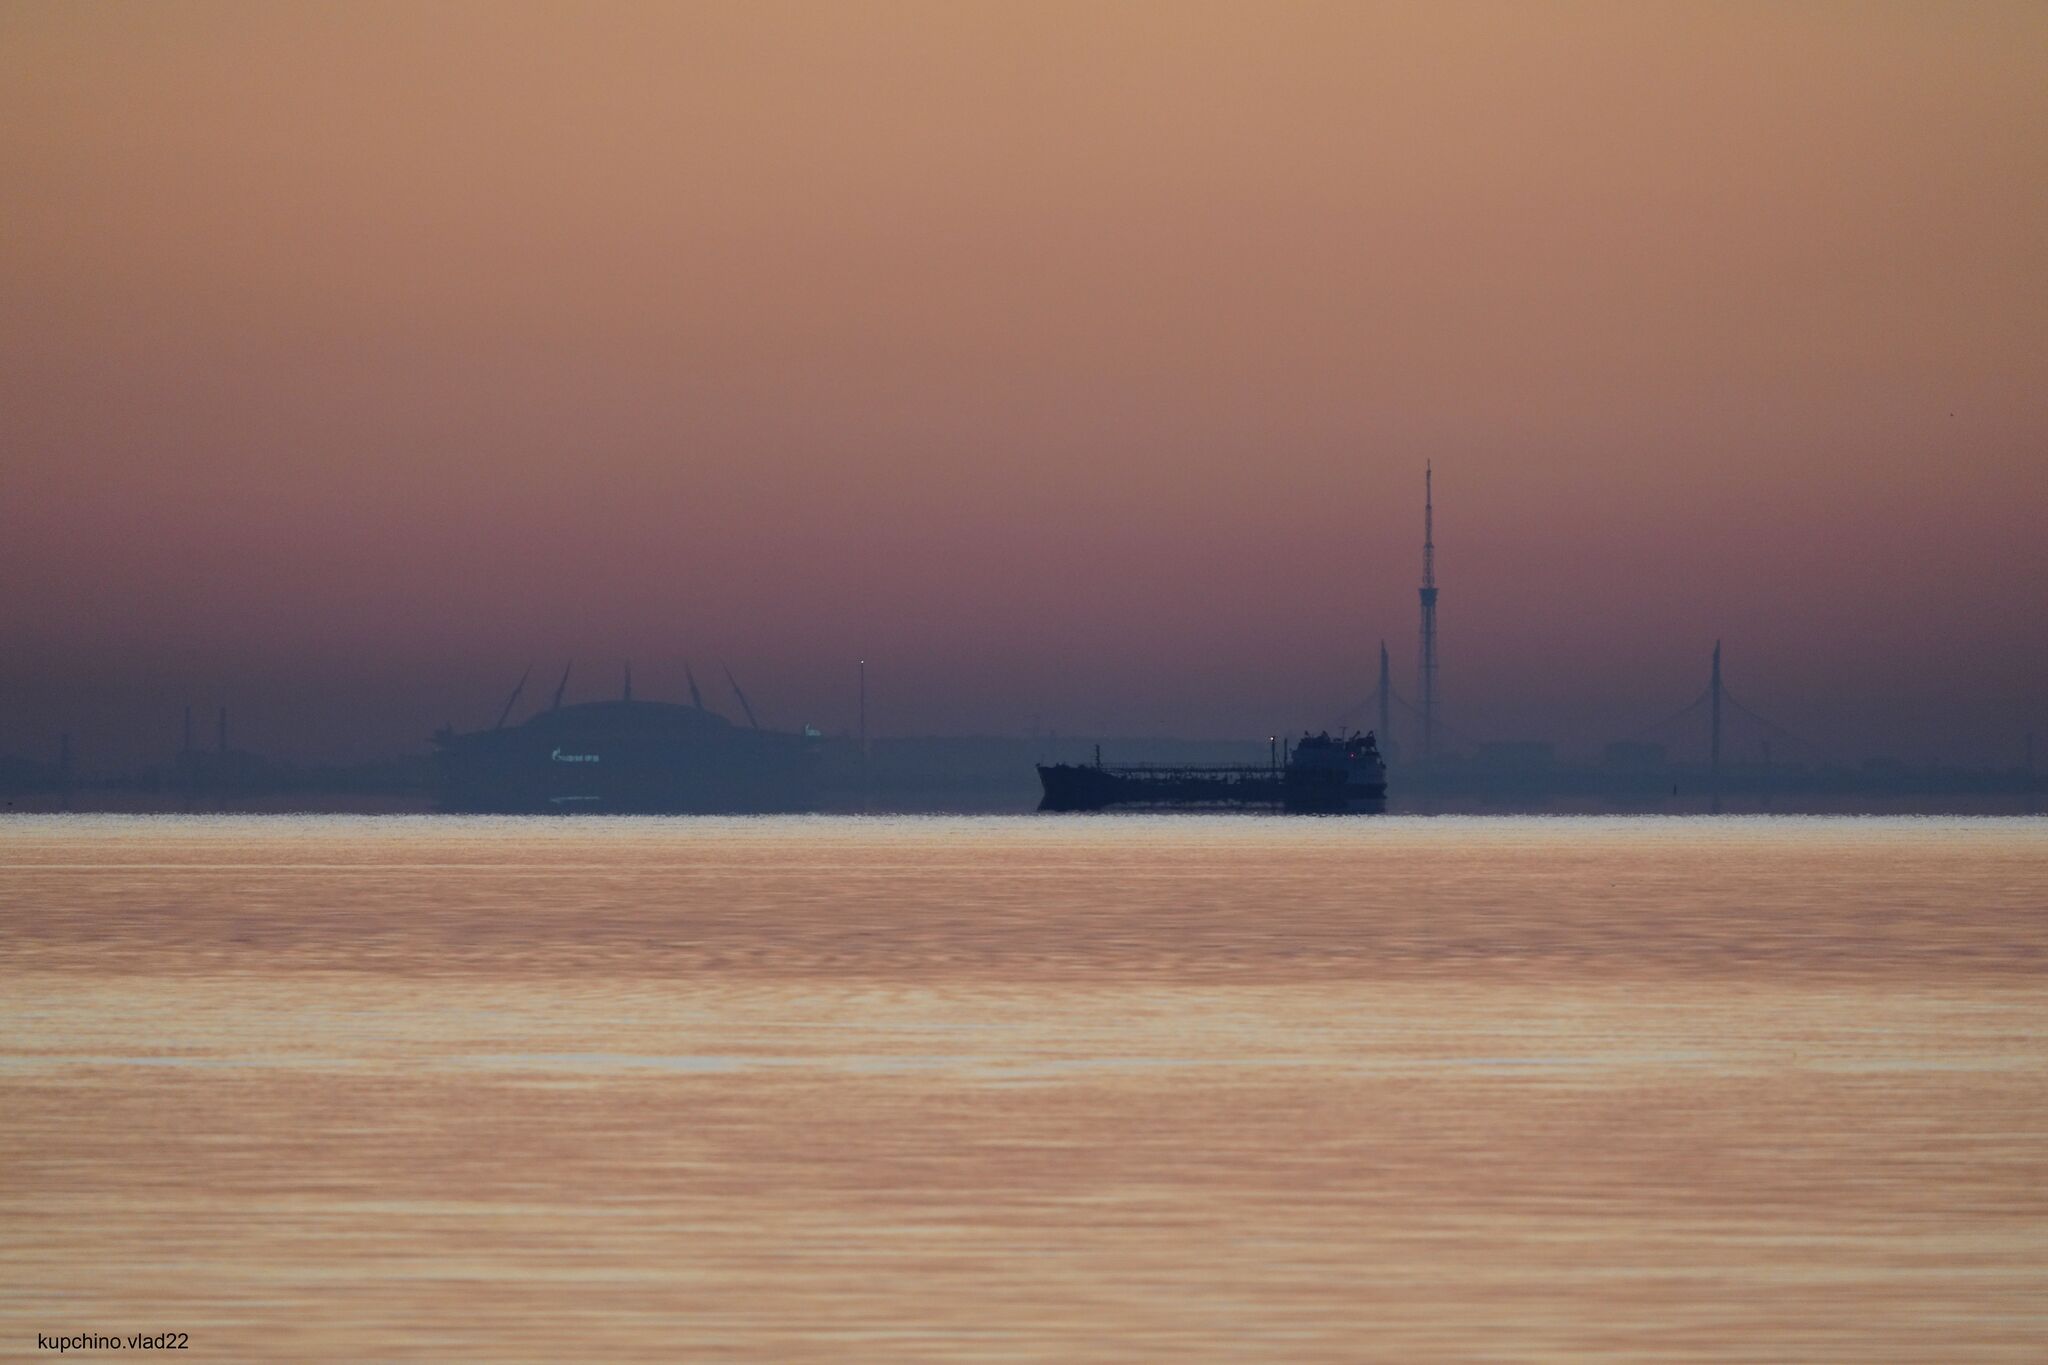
x,y
1052,1088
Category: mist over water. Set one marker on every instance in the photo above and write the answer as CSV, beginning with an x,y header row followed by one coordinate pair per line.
x,y
1105,1088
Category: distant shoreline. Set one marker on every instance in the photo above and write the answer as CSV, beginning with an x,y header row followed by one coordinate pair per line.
x,y
122,801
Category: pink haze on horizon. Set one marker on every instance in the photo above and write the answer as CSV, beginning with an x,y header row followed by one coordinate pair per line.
x,y
1075,365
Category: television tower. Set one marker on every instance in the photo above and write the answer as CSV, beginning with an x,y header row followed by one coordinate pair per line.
x,y
1427,664
1386,695
1714,724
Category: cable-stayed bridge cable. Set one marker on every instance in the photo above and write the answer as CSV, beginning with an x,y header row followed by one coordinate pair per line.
x,y
1680,714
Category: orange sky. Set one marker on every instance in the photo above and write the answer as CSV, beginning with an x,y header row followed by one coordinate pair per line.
x,y
1075,363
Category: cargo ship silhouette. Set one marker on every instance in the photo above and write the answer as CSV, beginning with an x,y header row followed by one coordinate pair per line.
x,y
1319,774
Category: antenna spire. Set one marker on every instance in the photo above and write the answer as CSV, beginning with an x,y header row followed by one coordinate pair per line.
x,y
1427,663
1428,526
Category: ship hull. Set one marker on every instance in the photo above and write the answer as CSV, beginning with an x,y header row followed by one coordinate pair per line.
x,y
1077,787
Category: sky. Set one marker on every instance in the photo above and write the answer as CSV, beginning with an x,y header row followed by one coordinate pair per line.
x,y
1076,365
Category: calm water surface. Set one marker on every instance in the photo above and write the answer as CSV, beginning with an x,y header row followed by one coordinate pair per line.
x,y
1027,1089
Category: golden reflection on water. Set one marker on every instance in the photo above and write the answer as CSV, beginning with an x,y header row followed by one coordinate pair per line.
x,y
1027,1089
